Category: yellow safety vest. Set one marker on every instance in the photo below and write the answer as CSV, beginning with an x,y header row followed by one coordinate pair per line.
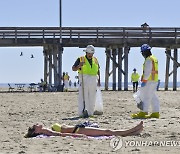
x,y
86,68
135,77
43,83
66,77
154,72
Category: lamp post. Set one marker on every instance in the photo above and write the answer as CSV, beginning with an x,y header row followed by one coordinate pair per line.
x,y
59,87
60,20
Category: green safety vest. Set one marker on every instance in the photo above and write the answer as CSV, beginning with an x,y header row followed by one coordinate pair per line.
x,y
86,68
154,72
135,77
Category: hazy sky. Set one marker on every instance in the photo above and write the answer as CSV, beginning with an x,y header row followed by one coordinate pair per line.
x,y
80,13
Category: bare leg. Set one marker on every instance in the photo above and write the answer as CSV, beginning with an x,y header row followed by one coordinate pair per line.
x,y
89,131
135,132
132,131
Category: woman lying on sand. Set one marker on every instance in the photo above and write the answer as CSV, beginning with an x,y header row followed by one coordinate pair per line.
x,y
80,131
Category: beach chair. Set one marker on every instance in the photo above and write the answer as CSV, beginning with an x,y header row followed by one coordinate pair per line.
x,y
10,88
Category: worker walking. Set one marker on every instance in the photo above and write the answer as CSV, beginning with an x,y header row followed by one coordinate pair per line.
x,y
149,81
135,80
66,81
88,74
43,86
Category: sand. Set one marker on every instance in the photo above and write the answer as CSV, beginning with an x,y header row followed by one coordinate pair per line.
x,y
20,110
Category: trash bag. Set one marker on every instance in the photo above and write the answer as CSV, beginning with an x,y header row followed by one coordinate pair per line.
x,y
138,100
98,109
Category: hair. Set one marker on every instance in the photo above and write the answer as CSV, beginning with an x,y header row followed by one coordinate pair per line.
x,y
31,132
147,53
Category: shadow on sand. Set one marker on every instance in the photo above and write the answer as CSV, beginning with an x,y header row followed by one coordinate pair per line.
x,y
72,118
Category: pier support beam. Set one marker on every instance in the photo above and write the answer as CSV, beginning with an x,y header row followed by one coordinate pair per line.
x,y
53,66
111,54
60,52
50,66
114,53
168,55
175,67
126,52
45,64
120,52
108,53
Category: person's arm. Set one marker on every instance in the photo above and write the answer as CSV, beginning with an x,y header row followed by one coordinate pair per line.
x,y
99,79
49,132
77,65
131,77
147,69
73,135
138,77
98,73
147,72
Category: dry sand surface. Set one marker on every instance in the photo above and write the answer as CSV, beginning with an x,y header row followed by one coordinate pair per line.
x,y
18,111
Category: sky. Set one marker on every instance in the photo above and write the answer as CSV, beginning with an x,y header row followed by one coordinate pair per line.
x,y
80,13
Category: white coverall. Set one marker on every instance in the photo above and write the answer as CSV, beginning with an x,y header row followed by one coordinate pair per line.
x,y
147,93
90,86
66,84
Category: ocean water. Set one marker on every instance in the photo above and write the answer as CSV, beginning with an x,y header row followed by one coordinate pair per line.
x,y
162,84
5,85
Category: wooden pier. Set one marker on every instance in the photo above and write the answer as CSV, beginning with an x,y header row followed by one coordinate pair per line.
x,y
117,42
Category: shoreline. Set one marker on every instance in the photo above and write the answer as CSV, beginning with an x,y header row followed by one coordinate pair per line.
x,y
26,90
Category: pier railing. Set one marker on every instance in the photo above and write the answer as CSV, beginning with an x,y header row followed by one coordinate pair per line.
x,y
135,36
88,32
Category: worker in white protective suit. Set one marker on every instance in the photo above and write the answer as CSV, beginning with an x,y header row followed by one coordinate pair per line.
x,y
66,82
149,81
89,78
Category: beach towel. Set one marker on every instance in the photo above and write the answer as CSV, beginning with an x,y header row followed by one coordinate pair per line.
x,y
88,137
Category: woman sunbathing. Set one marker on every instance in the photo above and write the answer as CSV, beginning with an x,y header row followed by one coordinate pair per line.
x,y
80,131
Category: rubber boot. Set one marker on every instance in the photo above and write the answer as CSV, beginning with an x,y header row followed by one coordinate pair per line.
x,y
153,115
139,115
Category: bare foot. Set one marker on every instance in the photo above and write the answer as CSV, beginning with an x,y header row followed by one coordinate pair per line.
x,y
134,130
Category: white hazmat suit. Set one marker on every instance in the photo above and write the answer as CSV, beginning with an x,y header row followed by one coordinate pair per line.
x,y
90,86
148,92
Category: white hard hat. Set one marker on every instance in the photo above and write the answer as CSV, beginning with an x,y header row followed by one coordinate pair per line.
x,y
89,49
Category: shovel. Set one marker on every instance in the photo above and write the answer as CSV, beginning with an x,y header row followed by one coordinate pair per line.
x,y
85,112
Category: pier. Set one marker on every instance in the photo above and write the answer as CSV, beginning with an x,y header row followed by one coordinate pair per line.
x,y
117,42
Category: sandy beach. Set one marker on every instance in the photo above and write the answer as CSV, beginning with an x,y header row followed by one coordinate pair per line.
x,y
20,110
